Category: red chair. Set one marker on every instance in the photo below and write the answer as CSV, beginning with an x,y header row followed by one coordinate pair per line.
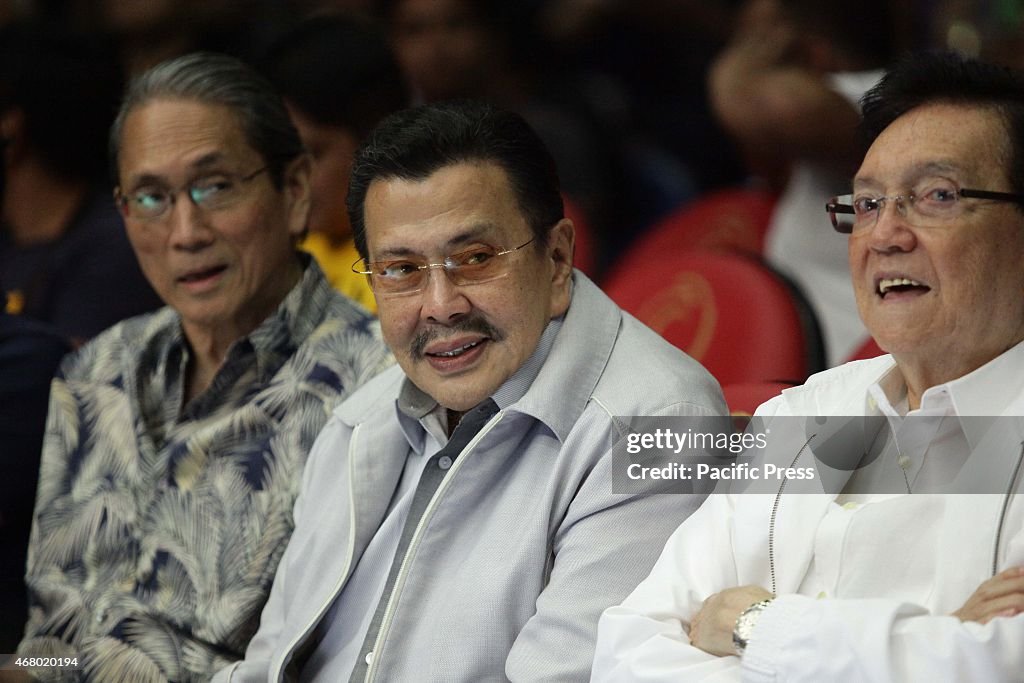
x,y
869,349
745,397
731,312
734,219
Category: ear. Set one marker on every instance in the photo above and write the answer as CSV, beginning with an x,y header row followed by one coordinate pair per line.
x,y
297,195
561,244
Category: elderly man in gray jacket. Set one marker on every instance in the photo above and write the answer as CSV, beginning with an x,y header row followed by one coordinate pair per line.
x,y
457,520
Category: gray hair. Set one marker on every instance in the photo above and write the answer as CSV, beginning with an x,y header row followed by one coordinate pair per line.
x,y
217,79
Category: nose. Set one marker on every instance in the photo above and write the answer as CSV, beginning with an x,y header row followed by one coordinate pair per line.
x,y
900,203
186,223
443,301
892,231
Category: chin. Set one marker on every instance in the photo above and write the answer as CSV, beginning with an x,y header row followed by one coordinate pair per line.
x,y
459,403
455,395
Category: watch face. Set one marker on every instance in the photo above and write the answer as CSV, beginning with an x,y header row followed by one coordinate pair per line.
x,y
745,625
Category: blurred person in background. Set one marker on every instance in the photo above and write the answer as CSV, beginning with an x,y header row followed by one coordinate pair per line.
x,y
786,87
490,50
338,79
176,440
29,354
640,66
64,256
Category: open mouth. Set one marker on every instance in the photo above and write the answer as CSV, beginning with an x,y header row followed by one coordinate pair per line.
x,y
455,353
200,275
900,285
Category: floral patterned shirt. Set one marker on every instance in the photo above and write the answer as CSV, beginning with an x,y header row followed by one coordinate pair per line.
x,y
159,523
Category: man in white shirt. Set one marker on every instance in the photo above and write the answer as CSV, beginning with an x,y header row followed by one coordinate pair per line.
x,y
857,584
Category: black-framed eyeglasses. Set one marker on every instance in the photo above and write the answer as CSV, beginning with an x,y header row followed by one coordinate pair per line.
x,y
212,192
396,277
851,213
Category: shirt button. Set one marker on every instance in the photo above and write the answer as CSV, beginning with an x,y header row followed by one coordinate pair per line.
x,y
872,404
850,506
369,658
444,462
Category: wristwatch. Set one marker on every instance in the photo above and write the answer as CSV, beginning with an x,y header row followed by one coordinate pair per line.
x,y
745,624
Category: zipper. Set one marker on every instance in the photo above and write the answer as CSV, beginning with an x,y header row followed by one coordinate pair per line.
x,y
404,570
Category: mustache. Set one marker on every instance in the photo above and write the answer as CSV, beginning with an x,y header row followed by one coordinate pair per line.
x,y
475,324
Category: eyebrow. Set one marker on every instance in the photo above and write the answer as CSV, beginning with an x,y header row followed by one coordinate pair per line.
x,y
916,172
201,164
467,236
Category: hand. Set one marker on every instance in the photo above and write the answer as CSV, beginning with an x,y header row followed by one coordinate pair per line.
x,y
1000,596
711,628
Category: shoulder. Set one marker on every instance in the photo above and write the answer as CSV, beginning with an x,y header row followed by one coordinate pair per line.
x,y
372,398
345,322
647,375
344,332
123,343
837,390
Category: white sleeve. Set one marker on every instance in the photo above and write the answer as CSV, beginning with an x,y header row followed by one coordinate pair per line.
x,y
646,637
798,638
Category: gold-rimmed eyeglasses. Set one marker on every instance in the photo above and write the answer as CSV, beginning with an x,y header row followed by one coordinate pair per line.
x,y
396,277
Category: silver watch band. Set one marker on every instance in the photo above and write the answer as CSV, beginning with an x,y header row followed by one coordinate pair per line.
x,y
745,624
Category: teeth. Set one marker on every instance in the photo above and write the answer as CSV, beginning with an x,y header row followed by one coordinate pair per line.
x,y
456,352
885,285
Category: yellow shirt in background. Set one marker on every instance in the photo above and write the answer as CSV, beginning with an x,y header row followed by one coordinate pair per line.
x,y
336,262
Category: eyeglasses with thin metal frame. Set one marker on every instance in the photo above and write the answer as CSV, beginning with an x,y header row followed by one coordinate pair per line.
x,y
399,277
211,192
853,213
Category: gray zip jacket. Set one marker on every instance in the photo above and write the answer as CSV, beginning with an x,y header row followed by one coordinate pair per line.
x,y
523,544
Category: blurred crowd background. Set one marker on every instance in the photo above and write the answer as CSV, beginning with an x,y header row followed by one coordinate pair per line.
x,y
618,87
719,114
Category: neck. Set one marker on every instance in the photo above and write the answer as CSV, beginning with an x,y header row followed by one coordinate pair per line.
x,y
210,343
39,205
921,374
202,368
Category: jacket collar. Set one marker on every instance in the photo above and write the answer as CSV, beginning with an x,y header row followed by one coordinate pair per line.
x,y
564,384
567,380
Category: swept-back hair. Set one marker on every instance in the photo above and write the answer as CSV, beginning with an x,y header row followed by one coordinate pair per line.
x,y
414,143
217,79
944,77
